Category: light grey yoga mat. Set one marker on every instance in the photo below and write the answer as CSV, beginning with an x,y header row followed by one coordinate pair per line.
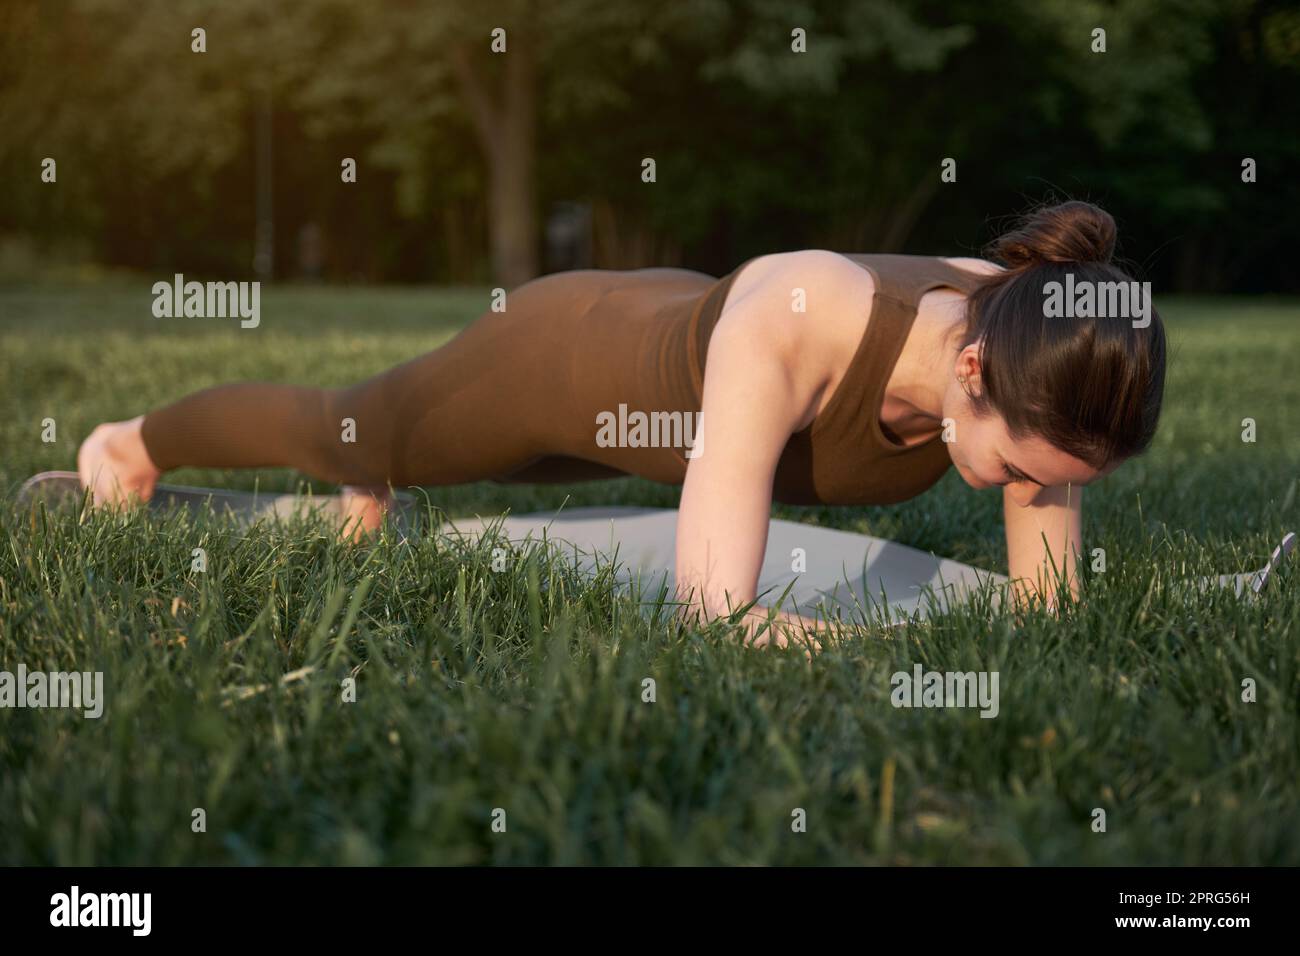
x,y
54,487
861,577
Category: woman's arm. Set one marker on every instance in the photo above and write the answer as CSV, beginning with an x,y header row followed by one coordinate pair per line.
x,y
768,370
747,416
1044,538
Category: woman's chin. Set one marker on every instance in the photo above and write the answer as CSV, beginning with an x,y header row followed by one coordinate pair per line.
x,y
970,478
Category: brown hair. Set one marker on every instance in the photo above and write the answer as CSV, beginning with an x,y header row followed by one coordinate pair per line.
x,y
1091,387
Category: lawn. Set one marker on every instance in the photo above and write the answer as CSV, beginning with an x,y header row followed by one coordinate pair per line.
x,y
500,716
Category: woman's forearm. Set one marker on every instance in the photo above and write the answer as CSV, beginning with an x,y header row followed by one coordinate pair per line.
x,y
1043,546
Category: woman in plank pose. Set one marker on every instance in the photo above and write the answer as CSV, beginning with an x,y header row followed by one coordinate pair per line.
x,y
812,377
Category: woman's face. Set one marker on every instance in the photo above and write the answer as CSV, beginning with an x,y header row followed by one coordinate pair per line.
x,y
985,454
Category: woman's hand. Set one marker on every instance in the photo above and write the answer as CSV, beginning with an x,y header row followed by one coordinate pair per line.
x,y
763,626
783,628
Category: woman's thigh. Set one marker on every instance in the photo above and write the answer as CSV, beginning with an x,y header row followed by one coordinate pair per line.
x,y
520,393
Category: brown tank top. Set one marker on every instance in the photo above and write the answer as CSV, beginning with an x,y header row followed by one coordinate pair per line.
x,y
844,457
521,395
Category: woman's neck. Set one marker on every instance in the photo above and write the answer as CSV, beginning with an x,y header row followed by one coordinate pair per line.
x,y
925,367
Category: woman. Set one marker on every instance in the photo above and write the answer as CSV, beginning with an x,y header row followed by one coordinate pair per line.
x,y
803,377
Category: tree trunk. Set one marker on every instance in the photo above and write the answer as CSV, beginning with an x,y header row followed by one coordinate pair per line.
x,y
507,133
902,219
512,202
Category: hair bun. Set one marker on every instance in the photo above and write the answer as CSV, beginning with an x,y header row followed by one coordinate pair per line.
x,y
1068,232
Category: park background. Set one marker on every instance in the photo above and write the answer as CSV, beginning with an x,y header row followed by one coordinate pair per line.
x,y
522,690
475,167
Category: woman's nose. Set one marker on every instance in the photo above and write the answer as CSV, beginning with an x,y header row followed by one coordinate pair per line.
x,y
1022,493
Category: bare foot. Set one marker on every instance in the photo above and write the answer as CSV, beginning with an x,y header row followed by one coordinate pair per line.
x,y
363,508
113,463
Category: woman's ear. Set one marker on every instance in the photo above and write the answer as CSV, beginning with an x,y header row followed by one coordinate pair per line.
x,y
967,369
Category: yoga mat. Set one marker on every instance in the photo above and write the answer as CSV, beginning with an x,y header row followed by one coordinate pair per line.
x,y
856,575
862,577
246,506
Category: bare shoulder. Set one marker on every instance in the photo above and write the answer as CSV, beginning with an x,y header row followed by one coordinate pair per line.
x,y
807,310
797,299
783,274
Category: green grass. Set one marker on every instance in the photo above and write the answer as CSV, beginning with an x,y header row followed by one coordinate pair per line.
x,y
522,690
